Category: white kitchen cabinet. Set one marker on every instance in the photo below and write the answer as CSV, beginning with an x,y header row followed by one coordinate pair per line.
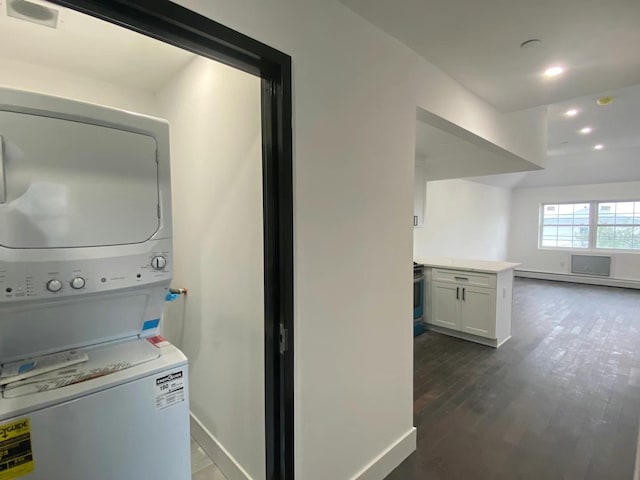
x,y
467,309
478,311
469,304
446,305
420,196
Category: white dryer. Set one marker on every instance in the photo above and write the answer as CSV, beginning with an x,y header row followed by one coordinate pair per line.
x,y
85,264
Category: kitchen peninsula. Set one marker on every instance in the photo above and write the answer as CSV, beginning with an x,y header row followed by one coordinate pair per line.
x,y
469,299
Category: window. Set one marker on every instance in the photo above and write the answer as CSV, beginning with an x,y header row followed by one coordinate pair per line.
x,y
618,225
566,225
595,224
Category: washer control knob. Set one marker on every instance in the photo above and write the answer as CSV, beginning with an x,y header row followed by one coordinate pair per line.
x,y
158,263
77,283
54,285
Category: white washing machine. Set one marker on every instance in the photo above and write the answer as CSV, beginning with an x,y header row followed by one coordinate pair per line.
x,y
85,264
130,424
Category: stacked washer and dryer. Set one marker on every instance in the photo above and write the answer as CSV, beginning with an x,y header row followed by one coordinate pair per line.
x,y
85,265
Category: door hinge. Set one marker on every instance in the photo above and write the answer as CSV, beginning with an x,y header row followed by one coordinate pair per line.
x,y
284,339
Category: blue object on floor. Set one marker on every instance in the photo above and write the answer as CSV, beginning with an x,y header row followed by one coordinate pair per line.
x,y
418,328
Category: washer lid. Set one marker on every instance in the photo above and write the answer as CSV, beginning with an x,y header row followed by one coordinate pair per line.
x,y
103,360
73,184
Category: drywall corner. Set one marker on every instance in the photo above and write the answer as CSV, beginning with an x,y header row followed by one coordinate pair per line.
x,y
387,461
529,129
220,456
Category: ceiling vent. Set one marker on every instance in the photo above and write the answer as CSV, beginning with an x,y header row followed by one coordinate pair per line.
x,y
32,12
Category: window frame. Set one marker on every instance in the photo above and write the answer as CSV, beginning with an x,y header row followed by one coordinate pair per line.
x,y
597,224
541,226
593,226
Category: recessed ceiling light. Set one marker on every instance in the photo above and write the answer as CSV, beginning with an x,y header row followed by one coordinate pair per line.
x,y
586,130
598,147
553,71
602,101
571,113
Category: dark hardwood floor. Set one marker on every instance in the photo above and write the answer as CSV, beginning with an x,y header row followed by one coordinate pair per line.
x,y
560,400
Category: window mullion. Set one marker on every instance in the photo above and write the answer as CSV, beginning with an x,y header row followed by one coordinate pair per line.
x,y
593,224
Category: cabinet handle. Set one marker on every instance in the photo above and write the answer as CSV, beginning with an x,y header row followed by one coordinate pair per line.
x,y
461,278
415,220
457,293
463,299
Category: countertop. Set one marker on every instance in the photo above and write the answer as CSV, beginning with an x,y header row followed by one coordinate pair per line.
x,y
484,266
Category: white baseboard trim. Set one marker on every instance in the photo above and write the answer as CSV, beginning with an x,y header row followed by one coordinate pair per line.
x,y
489,342
586,279
220,456
389,459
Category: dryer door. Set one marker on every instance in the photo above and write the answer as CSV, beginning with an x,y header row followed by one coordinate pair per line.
x,y
71,184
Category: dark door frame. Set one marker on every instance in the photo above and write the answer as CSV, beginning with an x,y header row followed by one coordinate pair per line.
x,y
183,28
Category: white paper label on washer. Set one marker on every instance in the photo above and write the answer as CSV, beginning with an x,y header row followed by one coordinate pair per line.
x,y
170,390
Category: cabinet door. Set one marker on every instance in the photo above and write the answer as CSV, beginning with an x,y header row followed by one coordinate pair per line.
x,y
478,311
420,193
446,306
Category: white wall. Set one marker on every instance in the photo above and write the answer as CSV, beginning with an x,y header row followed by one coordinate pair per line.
x,y
355,96
216,169
464,219
27,76
525,212
523,133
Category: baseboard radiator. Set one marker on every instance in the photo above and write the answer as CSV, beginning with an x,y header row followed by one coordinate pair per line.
x,y
598,265
579,278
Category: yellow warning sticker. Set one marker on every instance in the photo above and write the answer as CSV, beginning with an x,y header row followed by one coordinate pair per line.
x,y
16,457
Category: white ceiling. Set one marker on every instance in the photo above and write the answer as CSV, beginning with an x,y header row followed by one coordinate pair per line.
x,y
92,48
617,126
606,167
478,44
571,159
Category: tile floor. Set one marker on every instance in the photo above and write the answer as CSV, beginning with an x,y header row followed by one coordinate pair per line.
x,y
202,467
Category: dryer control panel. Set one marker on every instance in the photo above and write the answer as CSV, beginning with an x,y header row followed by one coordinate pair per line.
x,y
49,280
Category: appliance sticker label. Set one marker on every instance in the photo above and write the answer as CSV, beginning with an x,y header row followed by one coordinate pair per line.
x,y
169,390
16,457
158,341
150,324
